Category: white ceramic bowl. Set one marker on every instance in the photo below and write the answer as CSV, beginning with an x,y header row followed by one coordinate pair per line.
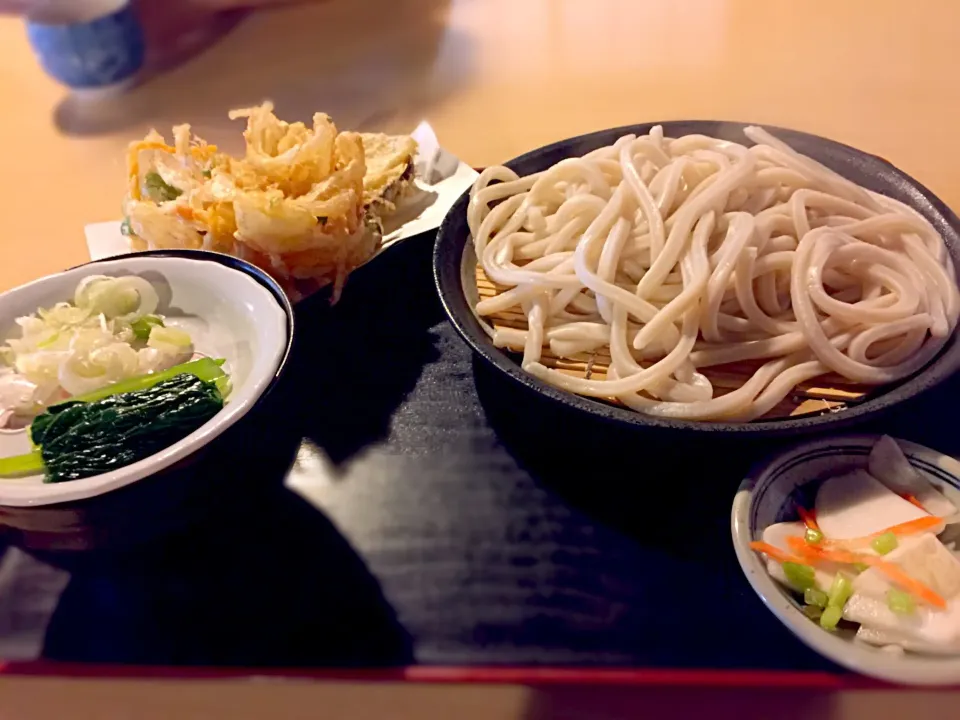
x,y
231,311
770,494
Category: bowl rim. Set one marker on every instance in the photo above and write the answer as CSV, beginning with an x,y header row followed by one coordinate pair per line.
x,y
451,247
908,668
78,490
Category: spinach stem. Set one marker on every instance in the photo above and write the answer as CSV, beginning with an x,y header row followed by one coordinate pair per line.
x,y
204,368
19,465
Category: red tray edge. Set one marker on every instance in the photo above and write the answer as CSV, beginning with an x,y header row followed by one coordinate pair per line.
x,y
482,675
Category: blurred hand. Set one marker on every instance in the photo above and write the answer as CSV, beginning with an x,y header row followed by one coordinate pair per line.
x,y
175,30
16,7
24,7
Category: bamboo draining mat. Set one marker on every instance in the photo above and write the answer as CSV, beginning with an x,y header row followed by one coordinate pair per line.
x,y
828,392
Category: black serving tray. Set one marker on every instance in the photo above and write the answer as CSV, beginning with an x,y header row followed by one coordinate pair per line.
x,y
394,503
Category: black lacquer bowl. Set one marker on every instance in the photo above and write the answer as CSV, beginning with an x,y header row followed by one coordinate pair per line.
x,y
455,265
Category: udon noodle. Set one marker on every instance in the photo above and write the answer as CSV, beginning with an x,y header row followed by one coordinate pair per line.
x,y
682,254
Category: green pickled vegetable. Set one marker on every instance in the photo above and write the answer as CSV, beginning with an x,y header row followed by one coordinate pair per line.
x,y
901,602
840,591
813,596
159,190
885,543
142,327
799,576
204,369
830,617
813,537
81,439
812,611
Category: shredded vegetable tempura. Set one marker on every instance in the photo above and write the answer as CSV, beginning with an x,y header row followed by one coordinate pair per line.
x,y
298,203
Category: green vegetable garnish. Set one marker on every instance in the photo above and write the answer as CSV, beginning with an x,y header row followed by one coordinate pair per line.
x,y
204,369
82,439
885,543
813,537
125,227
169,337
142,327
223,384
812,611
158,190
901,602
813,596
830,617
29,464
861,567
207,173
799,576
112,298
840,591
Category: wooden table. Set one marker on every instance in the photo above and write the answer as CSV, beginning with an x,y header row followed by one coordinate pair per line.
x,y
496,78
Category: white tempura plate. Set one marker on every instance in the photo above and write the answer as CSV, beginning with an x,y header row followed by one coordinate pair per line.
x,y
228,312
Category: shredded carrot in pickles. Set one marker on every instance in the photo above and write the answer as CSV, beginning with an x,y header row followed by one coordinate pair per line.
x,y
912,499
911,527
775,553
819,555
809,518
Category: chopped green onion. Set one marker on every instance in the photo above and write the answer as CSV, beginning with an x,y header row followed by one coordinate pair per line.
x,y
125,228
29,464
885,543
830,617
901,602
207,173
142,327
109,296
165,337
224,385
812,611
814,596
861,567
813,537
840,591
799,576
